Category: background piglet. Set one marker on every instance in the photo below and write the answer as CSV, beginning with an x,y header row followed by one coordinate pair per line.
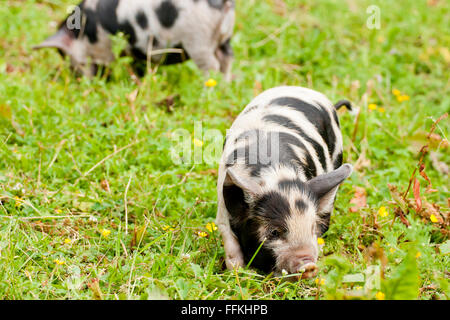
x,y
202,29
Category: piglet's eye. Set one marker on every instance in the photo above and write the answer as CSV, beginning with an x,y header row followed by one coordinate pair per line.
x,y
275,233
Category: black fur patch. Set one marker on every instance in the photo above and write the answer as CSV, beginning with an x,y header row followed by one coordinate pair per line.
x,y
274,207
336,119
167,14
235,201
106,11
216,4
286,122
338,162
255,168
271,207
226,48
301,205
252,154
286,154
327,127
90,27
245,228
325,218
318,116
289,184
174,58
141,19
246,233
323,227
128,30
138,54
107,15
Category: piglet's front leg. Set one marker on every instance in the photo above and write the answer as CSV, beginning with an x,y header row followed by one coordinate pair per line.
x,y
233,253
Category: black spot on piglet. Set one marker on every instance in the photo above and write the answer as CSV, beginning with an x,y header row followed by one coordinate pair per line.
x,y
226,48
273,206
107,15
106,11
141,19
90,28
216,4
167,14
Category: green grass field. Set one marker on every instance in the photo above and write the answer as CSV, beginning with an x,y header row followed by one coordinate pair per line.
x,y
92,205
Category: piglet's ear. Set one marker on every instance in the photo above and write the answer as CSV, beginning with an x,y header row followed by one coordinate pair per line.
x,y
247,185
238,189
323,184
60,40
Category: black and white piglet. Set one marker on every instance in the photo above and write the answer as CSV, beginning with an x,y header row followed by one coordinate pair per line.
x,y
202,28
278,177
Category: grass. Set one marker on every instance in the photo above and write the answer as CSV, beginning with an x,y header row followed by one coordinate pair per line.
x,y
93,206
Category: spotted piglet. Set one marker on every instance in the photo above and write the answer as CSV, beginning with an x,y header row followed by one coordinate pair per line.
x,y
201,28
278,177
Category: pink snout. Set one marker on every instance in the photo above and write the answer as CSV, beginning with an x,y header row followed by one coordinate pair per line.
x,y
303,262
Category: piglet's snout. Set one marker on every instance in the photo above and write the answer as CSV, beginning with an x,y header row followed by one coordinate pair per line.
x,y
304,262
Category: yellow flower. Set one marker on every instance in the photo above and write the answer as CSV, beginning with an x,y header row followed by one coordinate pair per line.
x,y
320,281
105,232
391,250
396,92
59,262
211,83
320,241
418,254
381,109
382,212
372,106
59,211
198,143
67,241
168,228
202,234
380,295
18,201
433,218
358,288
211,226
402,98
